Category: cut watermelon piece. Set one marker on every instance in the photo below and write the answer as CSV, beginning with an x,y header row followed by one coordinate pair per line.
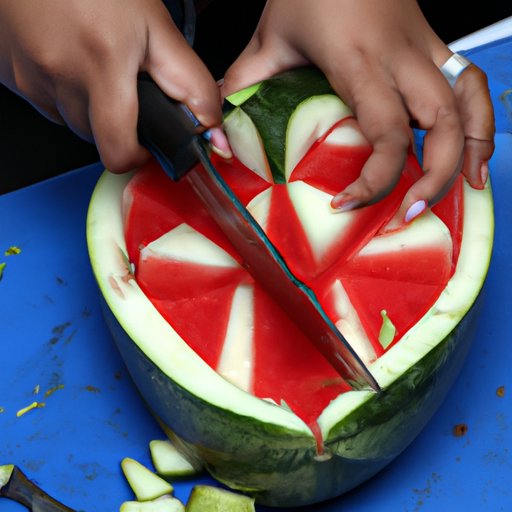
x,y
145,206
234,382
166,264
169,462
206,498
145,484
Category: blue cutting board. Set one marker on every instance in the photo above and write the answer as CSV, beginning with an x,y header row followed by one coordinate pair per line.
x,y
52,337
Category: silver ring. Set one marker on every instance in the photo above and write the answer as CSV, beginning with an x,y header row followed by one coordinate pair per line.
x,y
453,67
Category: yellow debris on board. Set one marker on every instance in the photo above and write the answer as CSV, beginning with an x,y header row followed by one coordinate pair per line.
x,y
50,391
33,405
13,250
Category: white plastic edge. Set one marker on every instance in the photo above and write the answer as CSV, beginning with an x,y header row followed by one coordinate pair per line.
x,y
496,31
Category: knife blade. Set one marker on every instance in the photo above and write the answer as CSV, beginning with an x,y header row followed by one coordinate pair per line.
x,y
169,131
15,485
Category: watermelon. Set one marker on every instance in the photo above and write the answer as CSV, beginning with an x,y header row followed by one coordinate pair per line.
x,y
235,384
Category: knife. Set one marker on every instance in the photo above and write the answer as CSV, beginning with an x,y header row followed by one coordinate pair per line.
x,y
170,132
16,486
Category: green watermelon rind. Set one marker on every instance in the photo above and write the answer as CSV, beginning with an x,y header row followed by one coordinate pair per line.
x,y
272,104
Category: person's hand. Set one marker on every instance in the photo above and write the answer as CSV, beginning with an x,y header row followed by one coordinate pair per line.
x,y
383,59
77,62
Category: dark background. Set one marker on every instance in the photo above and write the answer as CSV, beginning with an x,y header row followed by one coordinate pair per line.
x,y
32,148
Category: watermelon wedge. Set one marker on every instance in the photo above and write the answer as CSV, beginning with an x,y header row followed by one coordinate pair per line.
x,y
233,381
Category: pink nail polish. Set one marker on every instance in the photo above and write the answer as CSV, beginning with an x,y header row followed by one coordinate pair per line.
x,y
219,143
414,210
344,203
484,172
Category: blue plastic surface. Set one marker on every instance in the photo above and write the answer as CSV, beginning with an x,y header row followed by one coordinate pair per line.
x,y
52,334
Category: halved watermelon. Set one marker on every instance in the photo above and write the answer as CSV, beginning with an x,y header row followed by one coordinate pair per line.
x,y
233,381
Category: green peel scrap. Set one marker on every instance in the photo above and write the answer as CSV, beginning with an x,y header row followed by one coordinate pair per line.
x,y
387,331
237,98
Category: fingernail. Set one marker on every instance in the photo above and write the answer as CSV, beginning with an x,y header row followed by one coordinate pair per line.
x,y
344,203
218,142
415,209
484,172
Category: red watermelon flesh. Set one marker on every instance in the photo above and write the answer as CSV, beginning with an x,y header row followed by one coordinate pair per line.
x,y
356,267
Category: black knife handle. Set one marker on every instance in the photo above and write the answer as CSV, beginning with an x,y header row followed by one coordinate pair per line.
x,y
24,491
165,129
